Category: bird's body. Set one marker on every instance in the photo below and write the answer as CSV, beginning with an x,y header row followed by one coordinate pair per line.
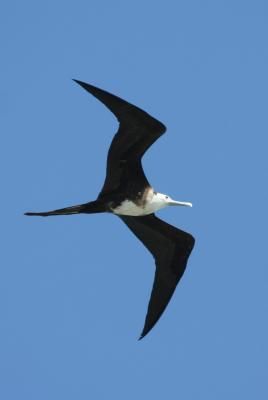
x,y
142,204
145,203
127,193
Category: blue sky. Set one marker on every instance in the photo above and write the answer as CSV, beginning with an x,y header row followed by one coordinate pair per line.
x,y
74,290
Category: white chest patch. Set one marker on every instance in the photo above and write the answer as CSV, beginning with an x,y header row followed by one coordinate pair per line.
x,y
128,207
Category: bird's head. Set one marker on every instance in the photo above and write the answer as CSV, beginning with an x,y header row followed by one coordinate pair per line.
x,y
168,201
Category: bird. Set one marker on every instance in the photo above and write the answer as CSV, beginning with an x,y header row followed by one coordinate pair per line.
x,y
127,194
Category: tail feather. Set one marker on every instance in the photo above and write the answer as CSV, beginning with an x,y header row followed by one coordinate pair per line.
x,y
88,208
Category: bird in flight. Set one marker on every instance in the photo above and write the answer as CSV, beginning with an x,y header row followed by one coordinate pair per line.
x,y
128,194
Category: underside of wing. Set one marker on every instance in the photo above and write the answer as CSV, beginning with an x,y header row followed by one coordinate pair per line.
x,y
171,248
137,132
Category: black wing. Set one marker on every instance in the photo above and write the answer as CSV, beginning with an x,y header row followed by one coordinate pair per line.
x,y
171,248
137,132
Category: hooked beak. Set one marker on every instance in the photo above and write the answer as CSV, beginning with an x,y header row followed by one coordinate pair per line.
x,y
179,203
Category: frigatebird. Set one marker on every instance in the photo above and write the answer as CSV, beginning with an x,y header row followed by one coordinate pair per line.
x,y
127,193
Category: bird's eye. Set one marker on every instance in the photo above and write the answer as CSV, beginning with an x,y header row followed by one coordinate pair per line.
x,y
166,197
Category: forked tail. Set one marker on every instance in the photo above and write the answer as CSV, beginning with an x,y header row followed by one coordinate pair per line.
x,y
87,208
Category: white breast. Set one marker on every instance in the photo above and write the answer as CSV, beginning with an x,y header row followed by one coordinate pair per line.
x,y
128,207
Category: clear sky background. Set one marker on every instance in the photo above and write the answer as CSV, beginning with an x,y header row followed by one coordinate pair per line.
x,y
74,290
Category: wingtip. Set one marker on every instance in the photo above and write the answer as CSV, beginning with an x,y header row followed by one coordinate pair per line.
x,y
81,83
143,334
76,81
87,86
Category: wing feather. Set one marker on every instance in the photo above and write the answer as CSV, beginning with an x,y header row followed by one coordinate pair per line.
x,y
171,248
137,132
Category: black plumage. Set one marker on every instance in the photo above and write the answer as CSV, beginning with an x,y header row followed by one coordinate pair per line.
x,y
170,248
125,179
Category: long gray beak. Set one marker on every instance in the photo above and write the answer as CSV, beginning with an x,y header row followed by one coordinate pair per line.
x,y
179,203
